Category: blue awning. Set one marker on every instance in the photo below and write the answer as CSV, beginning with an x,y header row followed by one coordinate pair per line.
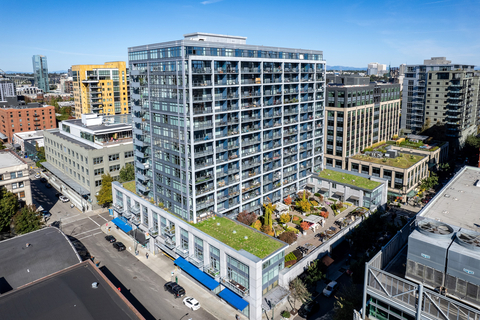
x,y
233,299
196,273
122,225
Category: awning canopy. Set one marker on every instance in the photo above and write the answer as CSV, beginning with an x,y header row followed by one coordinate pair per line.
x,y
412,194
196,273
66,179
233,299
327,260
280,207
122,224
313,219
354,197
394,194
340,193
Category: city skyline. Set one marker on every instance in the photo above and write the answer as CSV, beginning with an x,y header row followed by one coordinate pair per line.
x,y
404,32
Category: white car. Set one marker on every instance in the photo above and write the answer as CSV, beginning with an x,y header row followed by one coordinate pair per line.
x,y
64,199
37,176
331,287
191,303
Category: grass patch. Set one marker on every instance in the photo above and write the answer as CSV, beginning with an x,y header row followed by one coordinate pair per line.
x,y
257,243
345,178
403,161
130,186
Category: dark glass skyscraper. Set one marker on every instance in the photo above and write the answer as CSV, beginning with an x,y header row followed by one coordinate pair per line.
x,y
40,72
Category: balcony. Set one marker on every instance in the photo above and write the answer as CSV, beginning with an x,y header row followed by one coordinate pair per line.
x,y
118,208
250,164
183,252
201,70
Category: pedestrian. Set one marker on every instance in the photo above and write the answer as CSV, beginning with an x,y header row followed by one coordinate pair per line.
x,y
146,255
237,317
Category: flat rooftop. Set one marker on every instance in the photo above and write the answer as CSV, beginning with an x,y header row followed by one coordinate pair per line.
x,y
9,159
348,179
101,128
403,161
30,134
257,243
68,294
50,251
458,202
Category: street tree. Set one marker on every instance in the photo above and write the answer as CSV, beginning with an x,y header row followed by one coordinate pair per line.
x,y
127,173
247,218
298,291
104,197
27,220
8,208
349,298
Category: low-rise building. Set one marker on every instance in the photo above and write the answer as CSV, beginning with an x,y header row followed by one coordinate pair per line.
x,y
28,90
14,176
240,264
357,188
26,139
82,150
429,270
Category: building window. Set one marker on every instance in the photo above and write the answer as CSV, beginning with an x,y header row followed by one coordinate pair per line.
x,y
98,160
237,272
215,258
184,239
21,194
113,157
128,154
14,185
98,183
198,249
13,175
98,172
115,168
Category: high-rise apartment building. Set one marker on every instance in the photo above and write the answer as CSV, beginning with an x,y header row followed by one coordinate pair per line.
x,y
441,93
376,69
222,126
358,115
40,72
101,89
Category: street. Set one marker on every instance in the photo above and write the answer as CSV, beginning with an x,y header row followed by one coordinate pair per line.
x,y
138,283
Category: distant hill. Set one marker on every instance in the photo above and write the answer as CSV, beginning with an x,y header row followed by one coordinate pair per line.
x,y
345,68
14,72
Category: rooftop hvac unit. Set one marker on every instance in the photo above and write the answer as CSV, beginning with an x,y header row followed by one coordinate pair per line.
x,y
427,252
463,267
392,153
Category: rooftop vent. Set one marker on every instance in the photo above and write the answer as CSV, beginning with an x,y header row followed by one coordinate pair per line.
x,y
468,239
434,228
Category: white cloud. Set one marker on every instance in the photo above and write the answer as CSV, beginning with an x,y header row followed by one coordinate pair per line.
x,y
209,1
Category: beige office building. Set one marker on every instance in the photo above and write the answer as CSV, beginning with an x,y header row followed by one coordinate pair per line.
x,y
14,176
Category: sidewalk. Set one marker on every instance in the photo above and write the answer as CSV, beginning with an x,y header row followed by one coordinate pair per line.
x,y
164,267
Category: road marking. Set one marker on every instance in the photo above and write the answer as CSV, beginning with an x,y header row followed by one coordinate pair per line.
x,y
77,234
70,217
102,217
94,221
89,236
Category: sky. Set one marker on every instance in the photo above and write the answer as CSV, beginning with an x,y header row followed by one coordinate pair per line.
x,y
350,33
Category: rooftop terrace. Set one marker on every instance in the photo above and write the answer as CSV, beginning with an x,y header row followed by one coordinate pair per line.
x,y
223,230
403,161
351,179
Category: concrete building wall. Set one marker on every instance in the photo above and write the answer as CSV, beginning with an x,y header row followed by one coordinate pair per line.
x,y
15,178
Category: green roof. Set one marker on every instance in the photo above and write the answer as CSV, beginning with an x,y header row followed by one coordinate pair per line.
x,y
404,160
130,186
350,179
257,243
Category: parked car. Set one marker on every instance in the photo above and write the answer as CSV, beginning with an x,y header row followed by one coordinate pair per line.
x,y
46,214
331,287
309,308
175,289
119,246
37,175
63,199
191,303
48,185
110,238
43,180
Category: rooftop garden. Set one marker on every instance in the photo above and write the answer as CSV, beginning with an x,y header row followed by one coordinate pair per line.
x,y
404,160
130,186
345,178
239,236
417,145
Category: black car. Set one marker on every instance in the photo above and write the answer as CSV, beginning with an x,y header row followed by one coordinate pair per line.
x,y
175,289
43,180
48,185
110,238
309,308
58,194
119,246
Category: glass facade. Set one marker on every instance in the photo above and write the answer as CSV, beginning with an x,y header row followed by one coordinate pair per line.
x,y
40,72
222,129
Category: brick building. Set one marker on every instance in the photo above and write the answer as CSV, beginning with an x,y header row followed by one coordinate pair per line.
x,y
23,118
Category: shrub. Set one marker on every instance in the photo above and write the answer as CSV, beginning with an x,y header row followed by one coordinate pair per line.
x,y
257,225
247,218
290,256
288,200
324,214
288,237
267,230
304,225
314,203
290,263
284,218
317,194
298,254
292,229
339,205
286,314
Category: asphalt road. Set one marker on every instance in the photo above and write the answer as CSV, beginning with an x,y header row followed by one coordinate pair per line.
x,y
139,284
